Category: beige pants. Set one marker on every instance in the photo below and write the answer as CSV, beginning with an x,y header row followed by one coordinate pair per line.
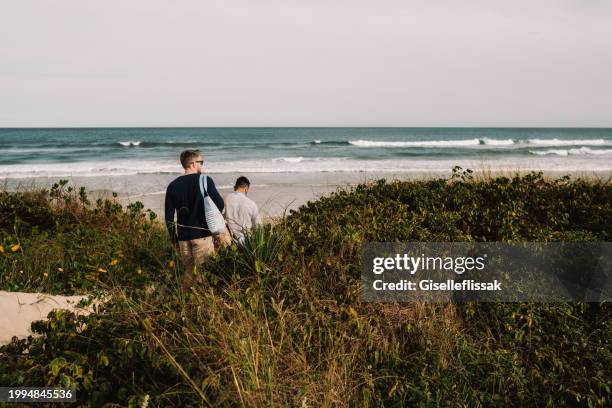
x,y
223,240
194,253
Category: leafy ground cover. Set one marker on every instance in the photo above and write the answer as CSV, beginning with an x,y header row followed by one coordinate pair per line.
x,y
278,321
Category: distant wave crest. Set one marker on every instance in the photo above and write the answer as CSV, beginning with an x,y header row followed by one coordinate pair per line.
x,y
474,143
574,152
424,143
130,143
566,142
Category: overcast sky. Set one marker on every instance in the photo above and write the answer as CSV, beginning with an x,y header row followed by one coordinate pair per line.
x,y
305,63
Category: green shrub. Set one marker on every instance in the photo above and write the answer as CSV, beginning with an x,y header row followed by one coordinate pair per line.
x,y
278,321
66,245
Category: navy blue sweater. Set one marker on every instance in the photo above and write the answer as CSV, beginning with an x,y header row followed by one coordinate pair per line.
x,y
183,197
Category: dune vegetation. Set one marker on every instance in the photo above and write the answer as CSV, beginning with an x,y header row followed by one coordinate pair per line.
x,y
279,322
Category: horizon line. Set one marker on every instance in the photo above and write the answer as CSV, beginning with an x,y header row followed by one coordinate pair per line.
x,y
302,127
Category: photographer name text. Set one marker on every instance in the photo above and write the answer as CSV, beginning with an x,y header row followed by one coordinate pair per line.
x,y
430,285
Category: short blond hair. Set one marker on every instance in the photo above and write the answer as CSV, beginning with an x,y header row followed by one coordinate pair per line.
x,y
188,156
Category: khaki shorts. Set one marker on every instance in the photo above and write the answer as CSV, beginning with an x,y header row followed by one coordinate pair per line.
x,y
194,252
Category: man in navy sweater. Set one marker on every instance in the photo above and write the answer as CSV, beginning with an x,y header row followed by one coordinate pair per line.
x,y
190,234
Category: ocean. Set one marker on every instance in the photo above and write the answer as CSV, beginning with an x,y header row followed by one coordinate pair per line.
x,y
88,152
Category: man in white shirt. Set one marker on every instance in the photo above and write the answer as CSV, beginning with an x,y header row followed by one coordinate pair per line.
x,y
241,212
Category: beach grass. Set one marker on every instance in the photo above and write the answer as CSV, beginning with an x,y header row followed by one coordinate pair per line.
x,y
279,321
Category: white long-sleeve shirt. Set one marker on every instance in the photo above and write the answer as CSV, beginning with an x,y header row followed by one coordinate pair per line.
x,y
241,214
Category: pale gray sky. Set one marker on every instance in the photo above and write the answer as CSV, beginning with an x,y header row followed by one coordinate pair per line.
x,y
305,63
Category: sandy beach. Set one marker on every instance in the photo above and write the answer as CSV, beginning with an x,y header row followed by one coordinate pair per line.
x,y
275,193
20,310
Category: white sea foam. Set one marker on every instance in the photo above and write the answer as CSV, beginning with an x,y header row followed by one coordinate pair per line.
x,y
317,142
290,159
576,160
558,152
88,169
566,142
470,143
577,152
423,143
130,143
